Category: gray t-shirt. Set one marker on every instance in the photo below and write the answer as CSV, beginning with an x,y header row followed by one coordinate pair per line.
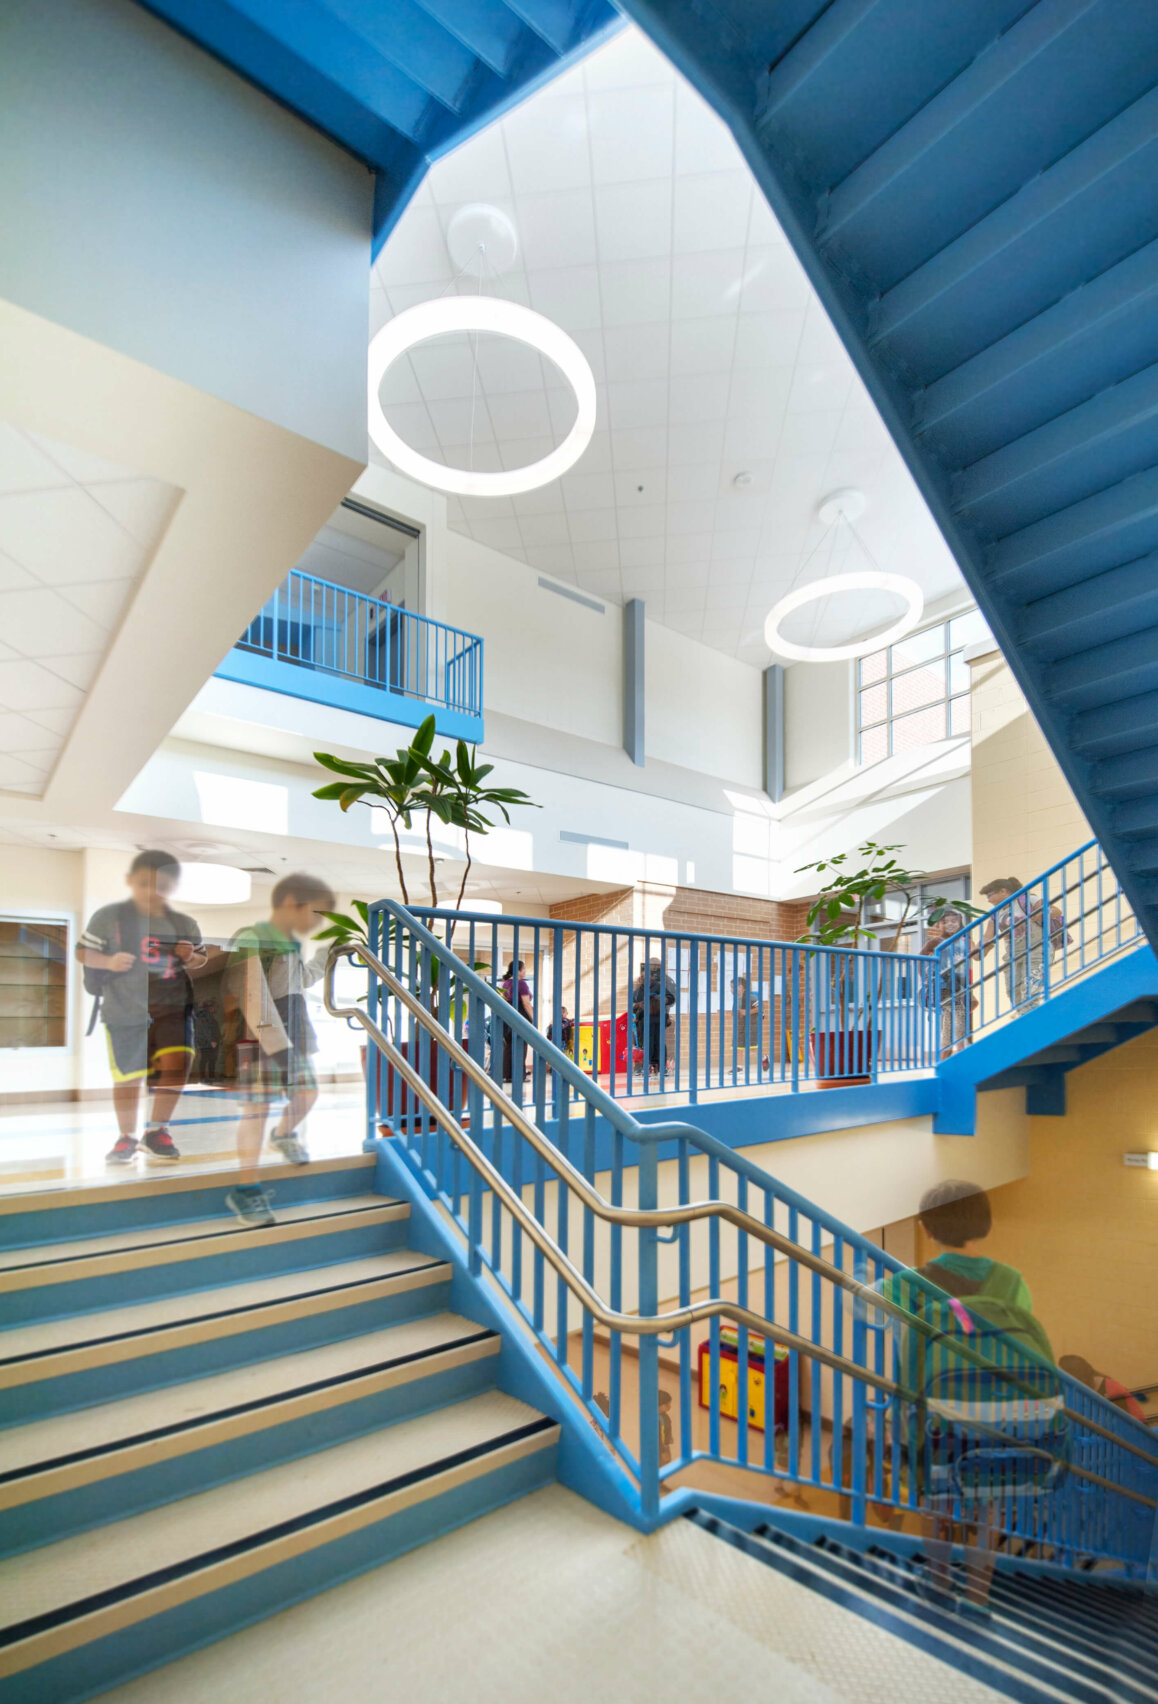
x,y
157,980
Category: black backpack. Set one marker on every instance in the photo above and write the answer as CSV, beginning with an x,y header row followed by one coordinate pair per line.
x,y
96,981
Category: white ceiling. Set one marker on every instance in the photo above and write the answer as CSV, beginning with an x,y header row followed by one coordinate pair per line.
x,y
76,534
643,234
354,552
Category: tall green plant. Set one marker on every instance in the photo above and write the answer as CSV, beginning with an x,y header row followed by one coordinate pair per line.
x,y
840,914
452,788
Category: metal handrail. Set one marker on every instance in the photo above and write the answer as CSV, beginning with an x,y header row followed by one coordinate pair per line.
x,y
652,1219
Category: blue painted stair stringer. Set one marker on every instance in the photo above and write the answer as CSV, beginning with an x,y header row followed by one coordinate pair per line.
x,y
397,83
970,191
1053,1028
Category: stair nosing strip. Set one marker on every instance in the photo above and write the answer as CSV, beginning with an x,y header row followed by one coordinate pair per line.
x,y
219,1313
243,1231
49,1620
136,1439
84,1193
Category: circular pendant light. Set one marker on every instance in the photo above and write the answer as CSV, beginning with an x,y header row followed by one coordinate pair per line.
x,y
505,319
865,580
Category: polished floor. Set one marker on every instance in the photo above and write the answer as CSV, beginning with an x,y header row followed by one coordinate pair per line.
x,y
549,1601
65,1143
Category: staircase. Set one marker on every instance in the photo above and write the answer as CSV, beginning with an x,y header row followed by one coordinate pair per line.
x,y
206,1423
395,82
1044,1639
970,188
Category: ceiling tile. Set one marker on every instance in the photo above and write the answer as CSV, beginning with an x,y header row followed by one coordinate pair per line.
x,y
754,437
144,507
18,733
461,422
703,142
416,252
547,144
413,424
774,281
13,577
556,229
694,444
709,283
17,776
641,450
637,402
520,414
569,295
54,721
24,465
105,600
769,339
635,292
521,452
587,490
592,526
637,351
598,557
76,668
29,687
474,172
689,517
703,345
696,482
40,624
819,388
640,488
688,548
633,221
502,365
631,134
645,555
628,60
711,211
81,465
63,537
699,397
641,523
544,500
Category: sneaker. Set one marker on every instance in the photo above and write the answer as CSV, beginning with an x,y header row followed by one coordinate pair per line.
x,y
123,1152
160,1148
292,1148
251,1204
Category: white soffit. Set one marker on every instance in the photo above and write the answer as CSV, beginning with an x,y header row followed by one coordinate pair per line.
x,y
643,234
76,534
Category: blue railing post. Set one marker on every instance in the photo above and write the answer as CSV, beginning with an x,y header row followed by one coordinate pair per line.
x,y
648,1346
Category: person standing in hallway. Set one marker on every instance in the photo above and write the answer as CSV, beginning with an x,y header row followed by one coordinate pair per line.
x,y
136,956
516,991
268,978
953,992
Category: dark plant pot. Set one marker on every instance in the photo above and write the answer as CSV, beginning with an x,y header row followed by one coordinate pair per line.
x,y
844,1056
412,1115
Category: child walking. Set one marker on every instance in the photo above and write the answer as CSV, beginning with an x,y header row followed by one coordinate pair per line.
x,y
136,956
268,977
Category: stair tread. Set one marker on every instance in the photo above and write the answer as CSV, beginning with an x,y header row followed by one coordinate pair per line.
x,y
44,1581
113,1424
187,1232
19,1342
113,1188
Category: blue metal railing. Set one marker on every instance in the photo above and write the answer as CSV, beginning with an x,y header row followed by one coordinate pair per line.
x,y
1036,941
651,1012
761,1331
318,625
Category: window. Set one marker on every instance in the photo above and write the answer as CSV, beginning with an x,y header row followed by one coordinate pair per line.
x,y
917,691
33,982
955,885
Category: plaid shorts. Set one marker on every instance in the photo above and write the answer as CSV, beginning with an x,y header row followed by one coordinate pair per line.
x,y
275,1076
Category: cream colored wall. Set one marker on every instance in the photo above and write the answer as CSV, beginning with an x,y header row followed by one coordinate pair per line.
x,y
1025,818
1082,1227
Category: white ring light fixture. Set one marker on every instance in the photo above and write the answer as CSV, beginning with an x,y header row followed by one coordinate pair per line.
x,y
866,580
507,319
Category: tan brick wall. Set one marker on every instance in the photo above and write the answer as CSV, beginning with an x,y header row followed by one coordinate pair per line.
x,y
1082,1227
1025,818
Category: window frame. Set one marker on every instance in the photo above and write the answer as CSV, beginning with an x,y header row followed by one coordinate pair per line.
x,y
58,919
891,717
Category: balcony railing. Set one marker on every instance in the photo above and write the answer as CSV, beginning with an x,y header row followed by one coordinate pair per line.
x,y
653,1012
326,643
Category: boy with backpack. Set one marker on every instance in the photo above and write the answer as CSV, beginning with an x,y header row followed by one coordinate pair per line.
x,y
137,955
268,978
977,1439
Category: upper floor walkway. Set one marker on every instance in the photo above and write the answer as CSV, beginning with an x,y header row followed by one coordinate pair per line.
x,y
331,645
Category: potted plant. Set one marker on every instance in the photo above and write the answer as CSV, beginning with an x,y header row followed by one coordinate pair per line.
x,y
846,913
452,788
